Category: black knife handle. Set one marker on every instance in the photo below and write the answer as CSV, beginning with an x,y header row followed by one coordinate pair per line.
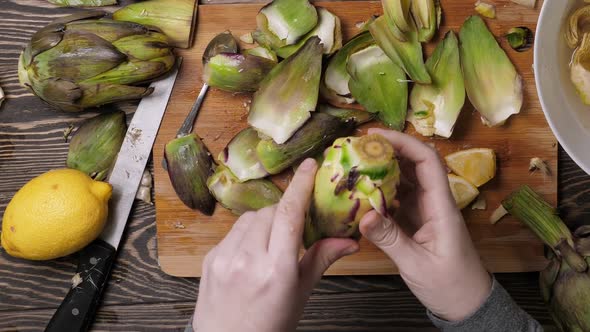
x,y
76,312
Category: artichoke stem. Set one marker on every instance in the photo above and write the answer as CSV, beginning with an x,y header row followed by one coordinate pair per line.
x,y
541,218
573,258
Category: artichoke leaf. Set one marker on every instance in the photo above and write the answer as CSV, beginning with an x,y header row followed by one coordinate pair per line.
x,y
284,22
288,94
240,156
236,72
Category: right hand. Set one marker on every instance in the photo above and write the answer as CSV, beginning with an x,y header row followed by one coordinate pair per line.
x,y
427,238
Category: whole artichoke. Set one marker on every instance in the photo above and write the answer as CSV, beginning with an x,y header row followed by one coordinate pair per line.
x,y
85,60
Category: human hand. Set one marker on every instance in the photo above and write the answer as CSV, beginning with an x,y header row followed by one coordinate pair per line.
x,y
427,237
253,279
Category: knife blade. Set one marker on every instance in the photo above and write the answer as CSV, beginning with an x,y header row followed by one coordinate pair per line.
x,y
76,312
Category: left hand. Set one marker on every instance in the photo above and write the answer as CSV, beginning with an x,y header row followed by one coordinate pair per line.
x,y
253,279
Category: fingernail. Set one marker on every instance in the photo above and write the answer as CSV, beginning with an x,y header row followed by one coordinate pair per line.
x,y
351,250
307,164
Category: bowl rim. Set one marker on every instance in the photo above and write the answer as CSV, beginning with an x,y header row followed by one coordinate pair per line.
x,y
565,139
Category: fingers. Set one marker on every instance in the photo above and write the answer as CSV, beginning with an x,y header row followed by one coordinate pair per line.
x,y
387,235
320,257
430,173
287,228
258,233
230,244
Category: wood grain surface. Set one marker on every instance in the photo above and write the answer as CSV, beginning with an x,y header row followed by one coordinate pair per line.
x,y
140,297
186,236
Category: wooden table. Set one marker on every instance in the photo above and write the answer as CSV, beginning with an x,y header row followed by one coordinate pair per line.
x,y
140,297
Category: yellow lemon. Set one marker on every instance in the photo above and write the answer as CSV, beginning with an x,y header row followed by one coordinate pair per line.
x,y
477,166
54,215
463,191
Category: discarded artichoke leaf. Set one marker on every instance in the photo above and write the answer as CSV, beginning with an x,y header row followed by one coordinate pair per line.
x,y
240,197
580,69
485,9
537,163
95,145
520,38
379,85
175,19
527,3
406,54
83,3
578,25
189,165
288,94
262,52
436,107
397,13
426,13
346,114
221,43
74,62
247,38
491,81
328,30
236,72
240,156
358,174
317,134
335,81
284,22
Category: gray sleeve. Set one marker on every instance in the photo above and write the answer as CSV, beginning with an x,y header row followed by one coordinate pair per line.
x,y
498,313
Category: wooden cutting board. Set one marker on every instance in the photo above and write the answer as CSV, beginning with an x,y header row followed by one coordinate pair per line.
x,y
185,236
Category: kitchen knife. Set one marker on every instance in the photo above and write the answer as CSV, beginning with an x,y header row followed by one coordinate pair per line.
x,y
76,312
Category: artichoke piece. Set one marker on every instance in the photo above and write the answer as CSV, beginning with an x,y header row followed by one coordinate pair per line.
x,y
240,197
520,38
379,85
328,30
397,13
95,145
335,82
578,25
174,18
240,156
358,174
358,117
83,3
436,107
427,14
288,94
406,54
284,22
221,43
491,81
580,70
76,62
317,134
189,165
262,52
485,9
236,72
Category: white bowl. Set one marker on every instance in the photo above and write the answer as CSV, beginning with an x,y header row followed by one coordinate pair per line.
x,y
568,117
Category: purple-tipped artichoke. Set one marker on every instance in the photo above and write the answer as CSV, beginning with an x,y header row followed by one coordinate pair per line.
x,y
565,283
358,174
84,60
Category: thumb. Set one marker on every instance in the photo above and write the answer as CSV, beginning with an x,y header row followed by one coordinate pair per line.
x,y
321,256
389,237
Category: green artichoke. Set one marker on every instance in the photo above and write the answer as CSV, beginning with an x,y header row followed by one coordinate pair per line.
x,y
84,60
358,174
96,143
565,283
